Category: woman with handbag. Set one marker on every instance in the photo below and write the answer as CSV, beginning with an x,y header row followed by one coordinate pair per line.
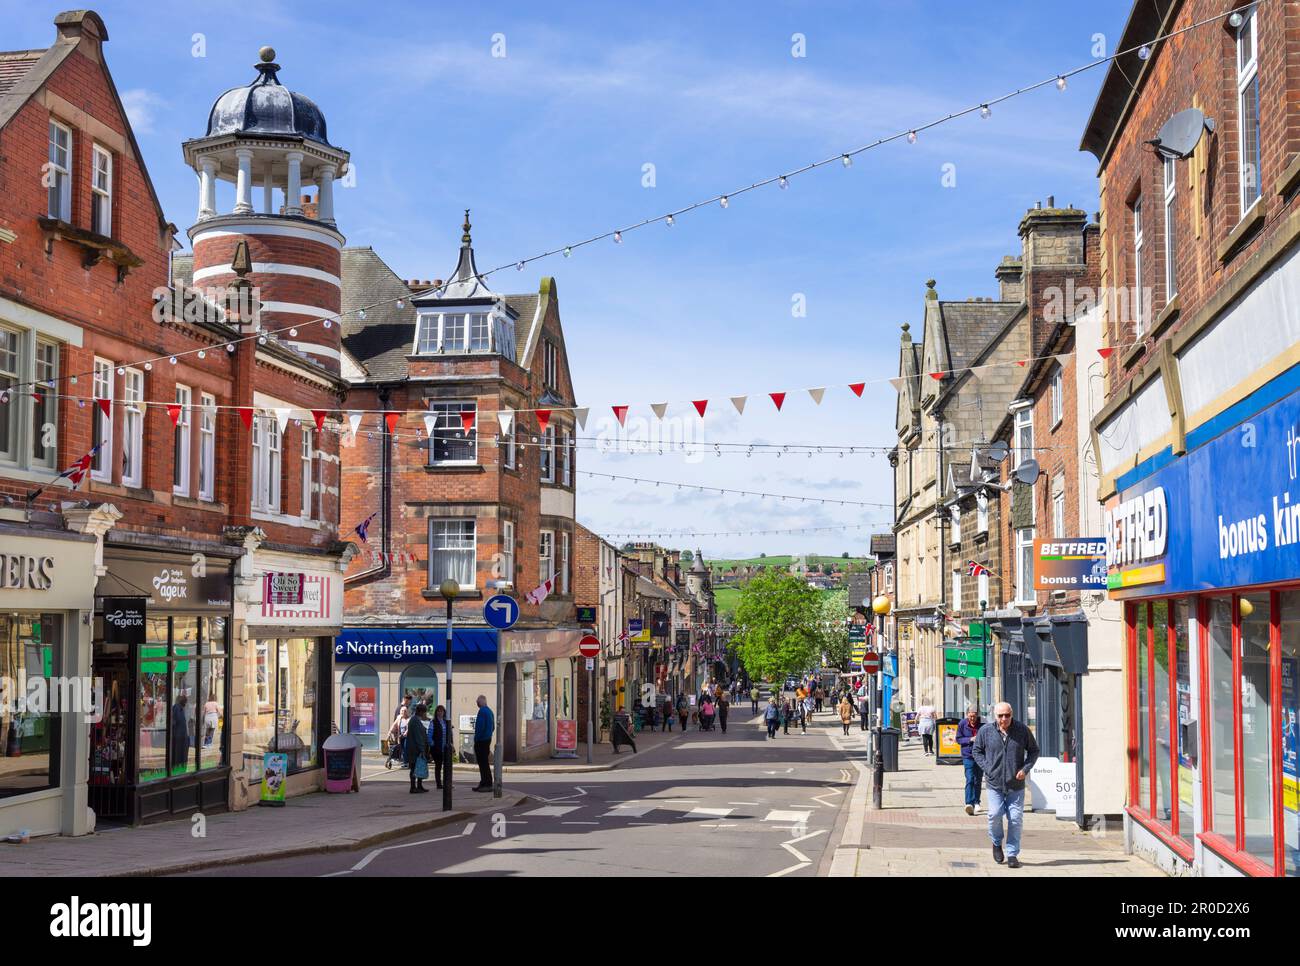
x,y
417,749
437,730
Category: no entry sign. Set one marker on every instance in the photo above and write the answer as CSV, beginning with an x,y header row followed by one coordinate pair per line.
x,y
589,646
871,662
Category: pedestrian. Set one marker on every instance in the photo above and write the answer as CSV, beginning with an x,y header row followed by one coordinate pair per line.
x,y
437,728
723,707
668,714
846,713
821,696
417,748
787,711
397,735
1006,752
484,725
966,732
864,708
772,717
925,725
809,703
683,710
753,699
706,714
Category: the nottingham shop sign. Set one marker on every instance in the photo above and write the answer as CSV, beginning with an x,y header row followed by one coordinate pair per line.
x,y
1225,515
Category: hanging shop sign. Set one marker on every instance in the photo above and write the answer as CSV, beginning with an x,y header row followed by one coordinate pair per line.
x,y
282,588
857,633
1225,515
173,583
124,620
1075,564
659,624
683,638
963,662
310,599
586,615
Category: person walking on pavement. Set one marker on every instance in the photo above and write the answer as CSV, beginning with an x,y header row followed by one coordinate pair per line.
x,y
683,710
771,717
1006,752
484,725
809,702
437,728
723,707
966,732
417,748
846,713
787,710
706,714
753,698
925,725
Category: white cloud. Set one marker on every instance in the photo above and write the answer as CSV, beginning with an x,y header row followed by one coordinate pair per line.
x,y
141,106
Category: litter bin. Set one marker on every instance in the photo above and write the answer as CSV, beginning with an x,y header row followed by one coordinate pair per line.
x,y
889,747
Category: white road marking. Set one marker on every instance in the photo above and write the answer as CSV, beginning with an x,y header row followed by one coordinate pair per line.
x,y
792,816
375,853
579,823
552,811
630,810
701,812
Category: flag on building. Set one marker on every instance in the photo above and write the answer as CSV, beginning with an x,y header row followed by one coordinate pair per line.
x,y
974,569
362,529
78,470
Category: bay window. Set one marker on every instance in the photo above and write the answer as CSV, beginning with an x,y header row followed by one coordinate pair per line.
x,y
29,369
452,552
479,338
450,443
563,587
463,332
566,458
453,332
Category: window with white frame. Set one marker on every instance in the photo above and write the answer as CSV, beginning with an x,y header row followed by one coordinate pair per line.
x,y
1248,165
510,444
1058,507
28,417
207,446
956,589
58,172
1058,395
1025,566
133,428
450,444
479,332
508,550
181,443
566,459
426,333
981,512
548,455
11,374
1023,435
45,410
1171,192
983,590
452,552
308,469
545,555
564,563
955,515
101,192
101,429
266,462
1139,297
453,332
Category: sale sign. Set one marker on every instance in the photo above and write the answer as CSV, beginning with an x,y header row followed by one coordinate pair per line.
x,y
566,734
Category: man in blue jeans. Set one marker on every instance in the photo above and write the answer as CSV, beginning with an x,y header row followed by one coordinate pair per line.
x,y
483,728
967,729
1005,752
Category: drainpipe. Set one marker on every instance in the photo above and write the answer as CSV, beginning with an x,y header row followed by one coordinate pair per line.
x,y
385,567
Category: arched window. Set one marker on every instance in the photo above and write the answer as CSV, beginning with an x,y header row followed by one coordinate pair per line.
x,y
421,682
360,704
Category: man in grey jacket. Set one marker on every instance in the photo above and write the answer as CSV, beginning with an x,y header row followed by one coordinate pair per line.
x,y
1005,752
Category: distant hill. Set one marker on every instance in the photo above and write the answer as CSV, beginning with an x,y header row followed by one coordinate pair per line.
x,y
727,596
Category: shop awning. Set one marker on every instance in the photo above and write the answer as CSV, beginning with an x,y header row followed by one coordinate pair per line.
x,y
413,645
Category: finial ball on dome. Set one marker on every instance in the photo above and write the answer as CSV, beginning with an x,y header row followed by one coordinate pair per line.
x,y
267,54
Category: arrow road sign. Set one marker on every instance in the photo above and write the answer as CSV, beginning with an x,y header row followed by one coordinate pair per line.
x,y
501,611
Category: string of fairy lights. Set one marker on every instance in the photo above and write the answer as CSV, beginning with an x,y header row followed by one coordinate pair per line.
x,y
723,200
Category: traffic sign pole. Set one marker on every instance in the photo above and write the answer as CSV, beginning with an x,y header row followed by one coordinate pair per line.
x,y
589,647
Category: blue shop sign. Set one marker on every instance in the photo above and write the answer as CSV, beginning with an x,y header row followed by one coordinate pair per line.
x,y
1225,515
403,645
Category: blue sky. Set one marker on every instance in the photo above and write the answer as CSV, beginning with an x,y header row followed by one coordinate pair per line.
x,y
547,146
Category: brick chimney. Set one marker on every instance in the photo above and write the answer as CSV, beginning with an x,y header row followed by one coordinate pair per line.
x,y
1053,237
309,207
1011,279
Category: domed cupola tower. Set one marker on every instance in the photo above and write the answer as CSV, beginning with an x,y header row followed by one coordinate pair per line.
x,y
271,143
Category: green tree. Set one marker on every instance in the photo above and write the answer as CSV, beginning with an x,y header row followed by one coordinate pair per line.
x,y
780,626
835,635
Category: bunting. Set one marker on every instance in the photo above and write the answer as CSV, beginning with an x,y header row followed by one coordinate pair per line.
x,y
245,416
778,398
857,388
659,409
700,406
739,403
580,414
174,411
505,419
817,394
620,413
319,416
467,421
543,417
390,420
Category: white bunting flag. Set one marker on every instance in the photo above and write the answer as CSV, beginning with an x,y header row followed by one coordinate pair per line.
x,y
430,421
1064,358
282,414
354,420
659,409
897,383
739,403
580,415
505,418
817,394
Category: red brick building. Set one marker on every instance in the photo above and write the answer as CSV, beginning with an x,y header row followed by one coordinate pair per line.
x,y
1200,264
94,364
473,482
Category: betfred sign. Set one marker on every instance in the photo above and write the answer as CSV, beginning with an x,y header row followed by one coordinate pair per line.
x,y
1078,564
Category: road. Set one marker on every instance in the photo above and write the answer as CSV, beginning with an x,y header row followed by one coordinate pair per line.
x,y
707,803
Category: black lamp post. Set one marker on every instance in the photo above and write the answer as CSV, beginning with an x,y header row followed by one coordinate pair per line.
x,y
449,589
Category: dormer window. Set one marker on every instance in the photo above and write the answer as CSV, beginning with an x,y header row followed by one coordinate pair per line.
x,y
461,332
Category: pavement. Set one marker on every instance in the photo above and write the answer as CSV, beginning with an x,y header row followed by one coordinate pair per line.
x,y
922,829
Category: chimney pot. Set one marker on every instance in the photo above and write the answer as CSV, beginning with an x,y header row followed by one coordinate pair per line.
x,y
1051,201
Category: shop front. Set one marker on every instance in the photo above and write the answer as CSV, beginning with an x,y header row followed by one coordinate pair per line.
x,y
538,714
161,650
375,668
46,694
1205,553
291,612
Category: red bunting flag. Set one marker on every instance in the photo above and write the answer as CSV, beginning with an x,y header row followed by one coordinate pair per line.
x,y
390,420
174,411
543,417
105,406
857,388
778,398
700,406
936,375
1105,353
467,420
1022,363
245,416
620,413
319,416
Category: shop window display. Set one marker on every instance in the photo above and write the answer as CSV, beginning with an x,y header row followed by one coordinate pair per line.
x,y
1256,708
1186,714
1290,743
29,649
284,718
1222,718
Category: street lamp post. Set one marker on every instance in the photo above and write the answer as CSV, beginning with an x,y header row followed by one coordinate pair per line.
x,y
449,589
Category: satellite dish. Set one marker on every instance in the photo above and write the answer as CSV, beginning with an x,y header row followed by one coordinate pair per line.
x,y
998,451
1181,133
1027,472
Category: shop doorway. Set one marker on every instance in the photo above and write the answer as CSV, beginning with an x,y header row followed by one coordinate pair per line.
x,y
360,694
508,726
110,744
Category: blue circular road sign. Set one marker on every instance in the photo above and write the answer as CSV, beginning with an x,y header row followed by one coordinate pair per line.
x,y
501,611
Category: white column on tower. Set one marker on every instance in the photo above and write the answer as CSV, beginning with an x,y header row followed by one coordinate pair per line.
x,y
268,191
325,206
207,188
244,182
293,189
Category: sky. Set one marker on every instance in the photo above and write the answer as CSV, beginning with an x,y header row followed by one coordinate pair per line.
x,y
555,122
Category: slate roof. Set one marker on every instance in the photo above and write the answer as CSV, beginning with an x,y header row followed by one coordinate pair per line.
x,y
969,327
14,65
882,544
